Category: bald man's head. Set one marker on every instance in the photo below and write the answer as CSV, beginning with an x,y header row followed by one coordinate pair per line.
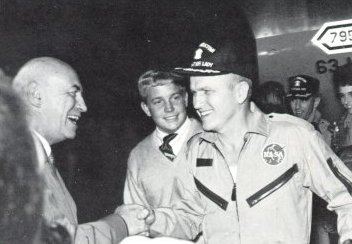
x,y
53,94
39,70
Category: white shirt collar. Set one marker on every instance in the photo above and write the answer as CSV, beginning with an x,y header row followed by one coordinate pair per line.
x,y
45,143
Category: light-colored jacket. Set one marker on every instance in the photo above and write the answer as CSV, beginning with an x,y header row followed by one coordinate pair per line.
x,y
282,161
60,208
150,182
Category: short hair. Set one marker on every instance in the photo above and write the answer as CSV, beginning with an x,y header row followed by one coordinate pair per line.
x,y
153,78
238,78
233,82
342,76
20,183
270,97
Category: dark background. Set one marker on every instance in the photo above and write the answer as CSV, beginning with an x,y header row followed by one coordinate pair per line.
x,y
110,43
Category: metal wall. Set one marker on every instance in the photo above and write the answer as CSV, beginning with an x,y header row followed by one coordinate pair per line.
x,y
284,29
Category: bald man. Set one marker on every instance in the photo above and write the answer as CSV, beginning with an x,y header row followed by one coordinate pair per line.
x,y
52,93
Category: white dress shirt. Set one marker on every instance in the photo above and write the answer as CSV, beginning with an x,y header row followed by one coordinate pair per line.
x,y
178,141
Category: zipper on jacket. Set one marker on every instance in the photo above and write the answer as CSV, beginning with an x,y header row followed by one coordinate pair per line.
x,y
222,203
272,187
345,181
233,196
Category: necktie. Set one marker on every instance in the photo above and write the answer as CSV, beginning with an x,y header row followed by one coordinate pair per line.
x,y
166,149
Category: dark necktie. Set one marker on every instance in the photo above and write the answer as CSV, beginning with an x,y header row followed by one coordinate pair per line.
x,y
166,149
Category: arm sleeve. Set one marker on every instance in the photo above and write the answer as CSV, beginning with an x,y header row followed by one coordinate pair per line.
x,y
133,192
169,221
329,178
101,232
183,218
109,230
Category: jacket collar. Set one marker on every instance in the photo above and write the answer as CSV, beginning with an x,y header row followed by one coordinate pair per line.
x,y
258,124
196,126
44,142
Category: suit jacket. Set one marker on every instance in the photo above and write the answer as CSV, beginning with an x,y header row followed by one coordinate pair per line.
x,y
60,208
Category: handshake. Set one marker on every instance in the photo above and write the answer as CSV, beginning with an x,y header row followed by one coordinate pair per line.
x,y
138,218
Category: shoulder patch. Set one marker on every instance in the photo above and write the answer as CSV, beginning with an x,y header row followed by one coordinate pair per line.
x,y
273,154
325,126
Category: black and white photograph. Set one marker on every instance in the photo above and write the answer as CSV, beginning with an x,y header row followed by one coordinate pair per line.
x,y
175,122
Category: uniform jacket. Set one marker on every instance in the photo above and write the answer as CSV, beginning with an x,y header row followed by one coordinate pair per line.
x,y
282,160
323,126
150,181
59,207
344,133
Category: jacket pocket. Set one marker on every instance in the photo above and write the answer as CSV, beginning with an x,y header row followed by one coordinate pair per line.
x,y
272,187
222,203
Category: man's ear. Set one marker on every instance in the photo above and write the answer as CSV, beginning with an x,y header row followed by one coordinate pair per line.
x,y
242,91
186,98
316,102
145,109
33,94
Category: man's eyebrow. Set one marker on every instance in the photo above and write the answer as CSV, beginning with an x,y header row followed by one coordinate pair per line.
x,y
177,93
202,88
156,98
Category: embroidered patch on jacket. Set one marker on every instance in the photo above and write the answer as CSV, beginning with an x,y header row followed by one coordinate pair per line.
x,y
273,154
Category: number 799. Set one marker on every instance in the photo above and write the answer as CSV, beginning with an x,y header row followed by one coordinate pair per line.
x,y
343,35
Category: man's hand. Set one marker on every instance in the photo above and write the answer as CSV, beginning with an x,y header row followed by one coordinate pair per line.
x,y
150,218
347,242
138,218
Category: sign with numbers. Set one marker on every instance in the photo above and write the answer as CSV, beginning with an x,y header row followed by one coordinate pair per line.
x,y
335,37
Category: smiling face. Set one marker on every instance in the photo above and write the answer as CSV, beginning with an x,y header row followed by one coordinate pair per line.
x,y
166,104
61,107
215,100
345,95
303,108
